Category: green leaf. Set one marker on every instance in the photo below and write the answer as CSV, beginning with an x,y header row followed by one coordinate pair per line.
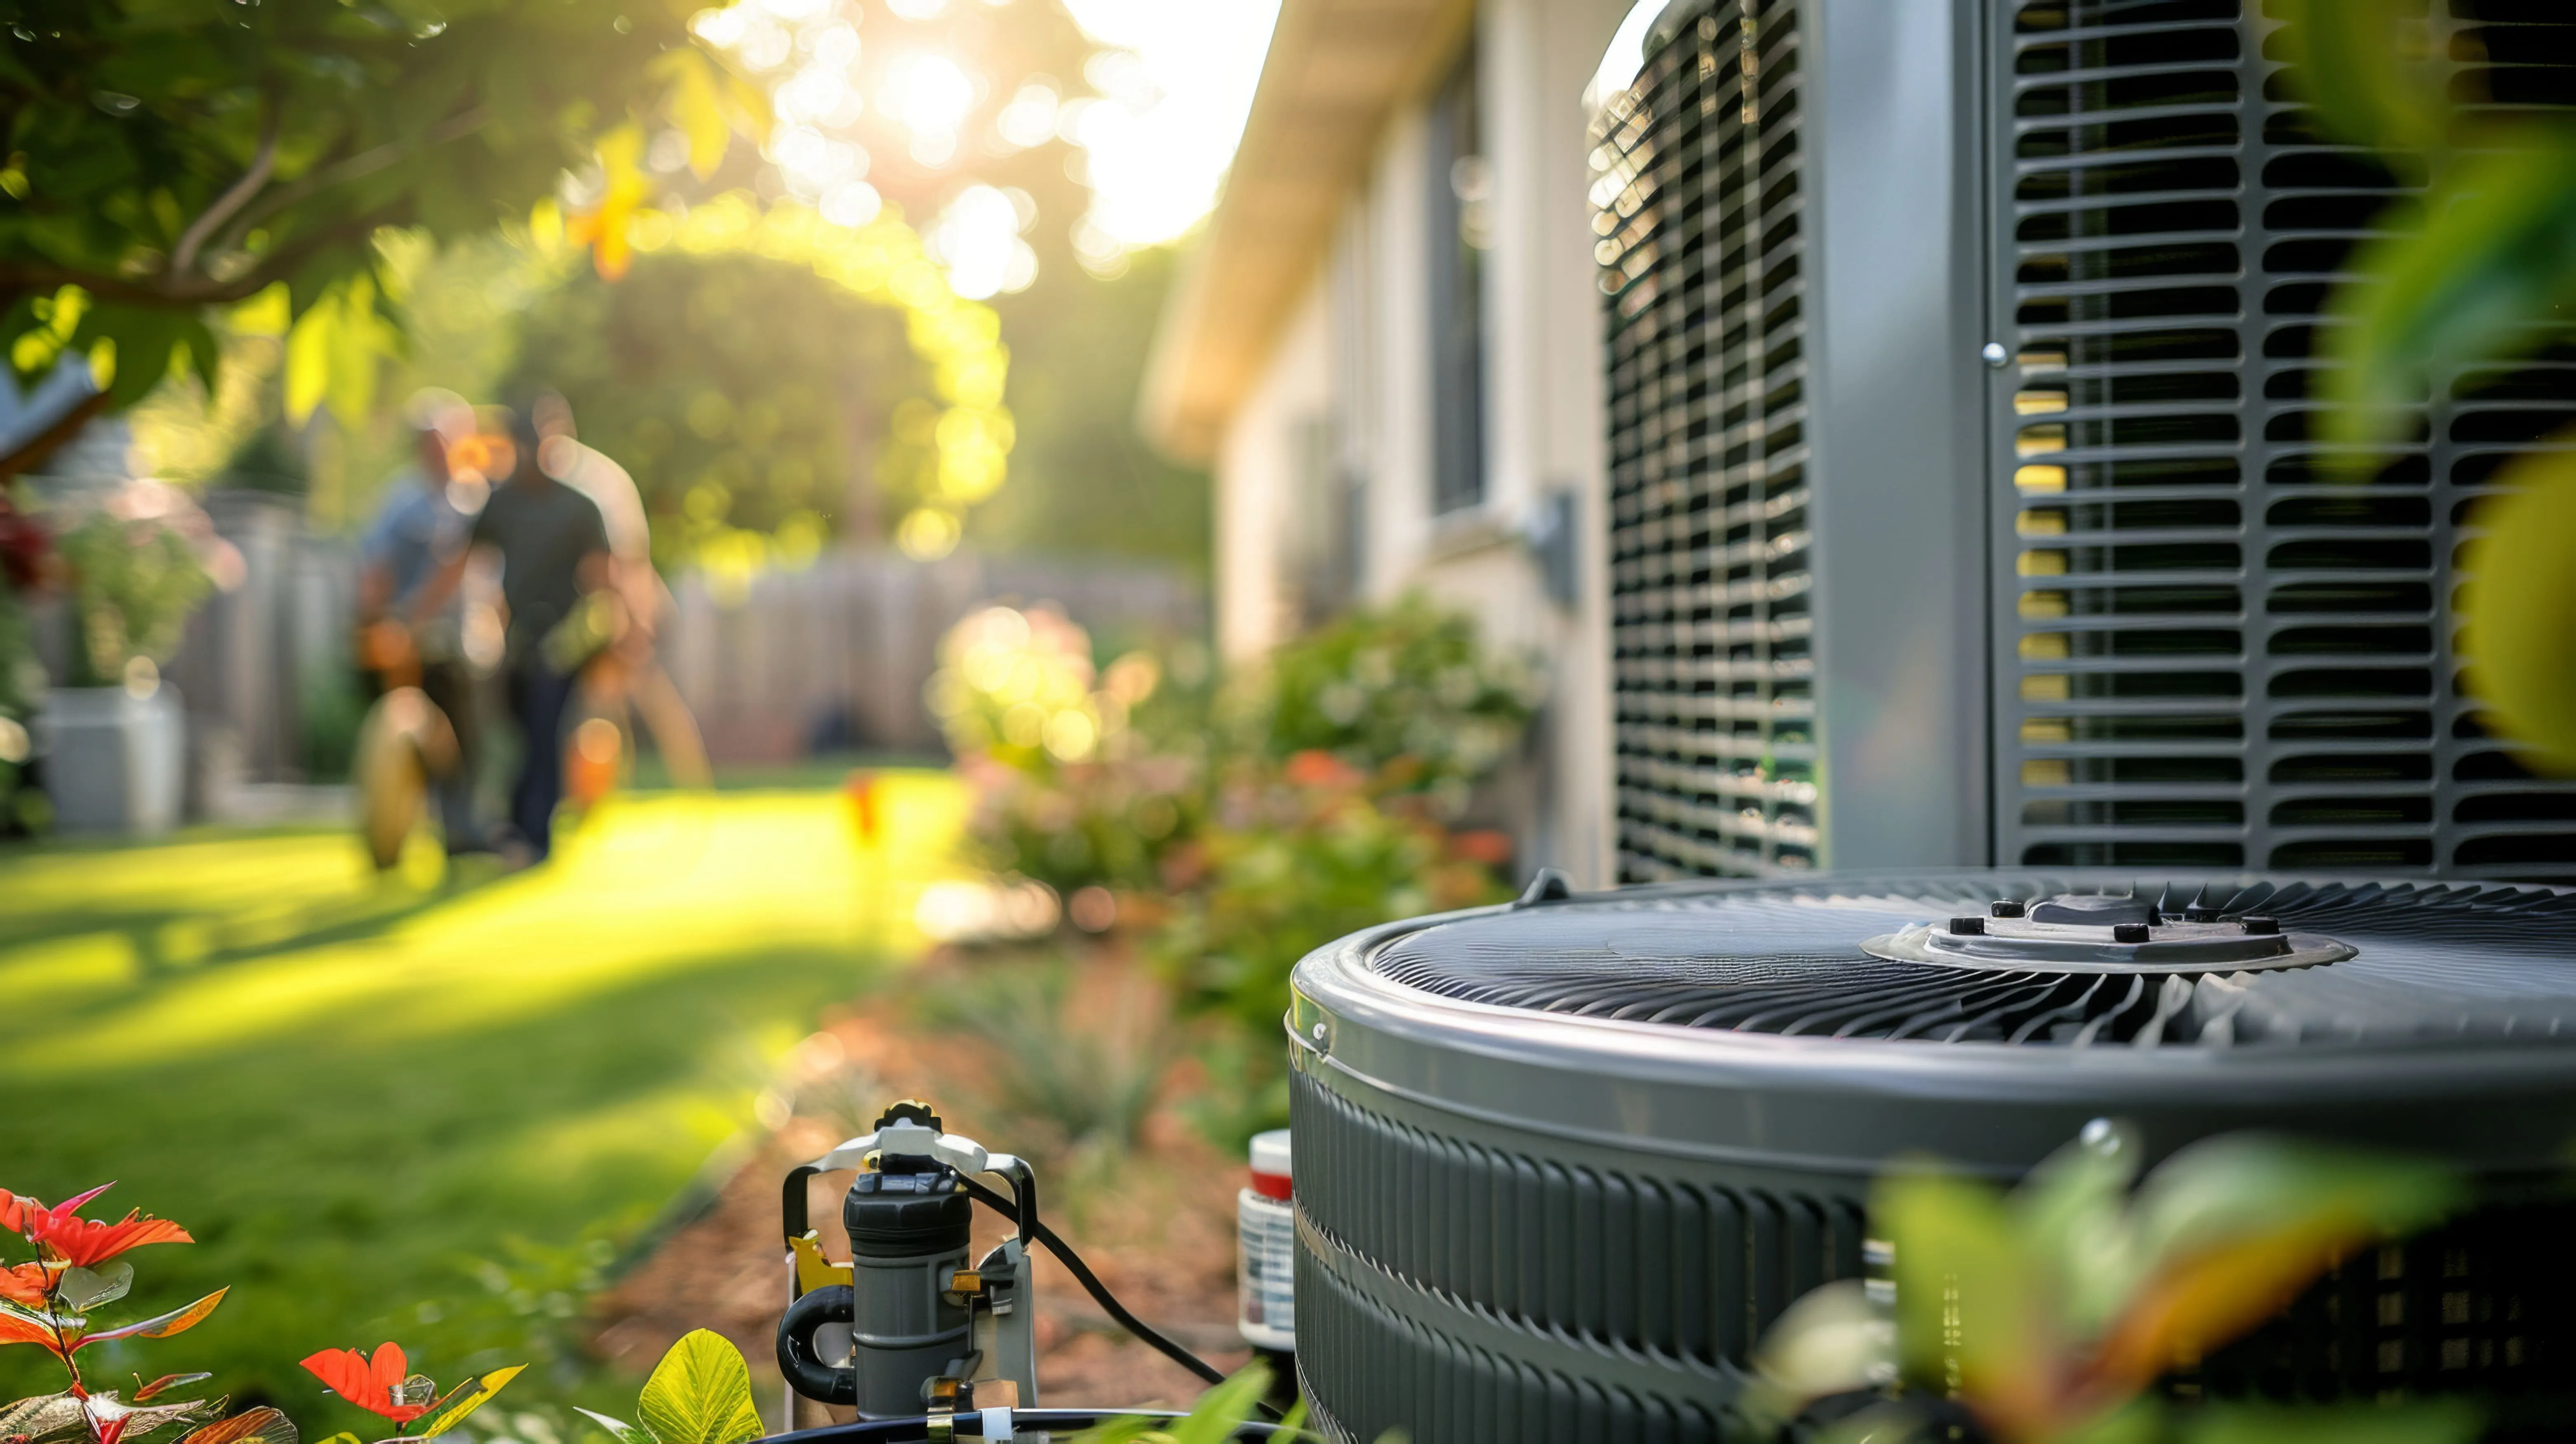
x,y
162,1326
2230,1230
85,1289
618,1429
1832,1340
2363,64
2518,606
309,344
2073,1213
697,107
2423,1421
2243,1185
467,1397
334,350
1894,1422
700,1394
1971,1312
1218,1411
2496,252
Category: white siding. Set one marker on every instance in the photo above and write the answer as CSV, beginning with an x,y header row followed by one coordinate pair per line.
x,y
1358,354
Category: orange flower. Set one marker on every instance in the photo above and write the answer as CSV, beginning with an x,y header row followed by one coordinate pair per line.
x,y
379,1385
65,1238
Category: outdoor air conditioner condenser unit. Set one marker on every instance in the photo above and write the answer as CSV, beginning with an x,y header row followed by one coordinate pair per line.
x,y
1561,1163
1967,502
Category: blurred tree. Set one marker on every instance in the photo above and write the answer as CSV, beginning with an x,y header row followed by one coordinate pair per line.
x,y
1082,479
165,156
971,105
268,461
742,393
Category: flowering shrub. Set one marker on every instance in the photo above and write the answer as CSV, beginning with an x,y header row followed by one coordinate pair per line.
x,y
1070,789
1112,780
140,561
1316,803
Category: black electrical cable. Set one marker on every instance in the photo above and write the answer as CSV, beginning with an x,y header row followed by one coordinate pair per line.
x,y
991,1198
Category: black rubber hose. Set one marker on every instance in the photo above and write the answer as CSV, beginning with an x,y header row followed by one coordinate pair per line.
x,y
992,1199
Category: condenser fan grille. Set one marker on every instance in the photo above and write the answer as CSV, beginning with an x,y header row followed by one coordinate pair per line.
x,y
2435,964
1700,204
2212,652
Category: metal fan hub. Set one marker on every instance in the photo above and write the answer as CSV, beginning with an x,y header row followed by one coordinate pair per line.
x,y
2128,937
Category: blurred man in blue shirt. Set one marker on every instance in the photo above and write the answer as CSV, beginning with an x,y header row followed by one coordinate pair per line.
x,y
411,637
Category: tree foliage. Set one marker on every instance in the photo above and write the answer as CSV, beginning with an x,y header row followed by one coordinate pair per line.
x,y
740,391
164,156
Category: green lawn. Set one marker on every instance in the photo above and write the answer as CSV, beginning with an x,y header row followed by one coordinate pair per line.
x,y
361,1093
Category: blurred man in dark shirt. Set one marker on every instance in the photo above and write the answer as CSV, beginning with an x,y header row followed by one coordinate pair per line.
x,y
554,552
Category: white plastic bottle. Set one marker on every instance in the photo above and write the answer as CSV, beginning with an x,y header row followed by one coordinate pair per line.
x,y
1266,1235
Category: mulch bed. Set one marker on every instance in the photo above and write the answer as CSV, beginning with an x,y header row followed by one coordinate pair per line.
x,y
1156,1223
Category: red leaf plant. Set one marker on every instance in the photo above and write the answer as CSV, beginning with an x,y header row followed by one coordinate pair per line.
x,y
385,1385
382,1385
48,1303
64,1239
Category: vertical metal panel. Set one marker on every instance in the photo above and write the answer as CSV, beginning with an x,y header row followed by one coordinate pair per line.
x,y
2207,650
1896,304
1699,194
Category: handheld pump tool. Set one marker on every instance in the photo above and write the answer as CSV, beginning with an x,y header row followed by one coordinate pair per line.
x,y
907,1327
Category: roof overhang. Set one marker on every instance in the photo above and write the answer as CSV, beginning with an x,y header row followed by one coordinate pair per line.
x,y
1336,74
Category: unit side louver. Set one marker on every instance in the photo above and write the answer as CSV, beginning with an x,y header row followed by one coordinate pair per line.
x,y
2209,650
1699,197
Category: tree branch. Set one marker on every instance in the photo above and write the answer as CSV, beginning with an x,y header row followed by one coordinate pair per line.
x,y
168,291
50,440
183,257
364,163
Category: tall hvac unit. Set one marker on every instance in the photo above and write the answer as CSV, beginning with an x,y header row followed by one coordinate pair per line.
x,y
1965,498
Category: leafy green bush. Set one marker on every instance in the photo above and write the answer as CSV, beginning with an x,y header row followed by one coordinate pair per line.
x,y
1296,858
1405,693
1308,800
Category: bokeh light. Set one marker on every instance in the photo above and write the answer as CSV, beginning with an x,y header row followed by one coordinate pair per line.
x,y
977,239
1175,81
1154,117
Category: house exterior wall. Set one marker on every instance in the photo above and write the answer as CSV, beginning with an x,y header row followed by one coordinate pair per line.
x,y
1345,405
1256,466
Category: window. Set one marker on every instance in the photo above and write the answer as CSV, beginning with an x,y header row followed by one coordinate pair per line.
x,y
1461,186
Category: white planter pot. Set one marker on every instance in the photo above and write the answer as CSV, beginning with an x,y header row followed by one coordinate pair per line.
x,y
115,762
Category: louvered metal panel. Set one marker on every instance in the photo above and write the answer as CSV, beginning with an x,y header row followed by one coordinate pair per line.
x,y
2207,651
1700,192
